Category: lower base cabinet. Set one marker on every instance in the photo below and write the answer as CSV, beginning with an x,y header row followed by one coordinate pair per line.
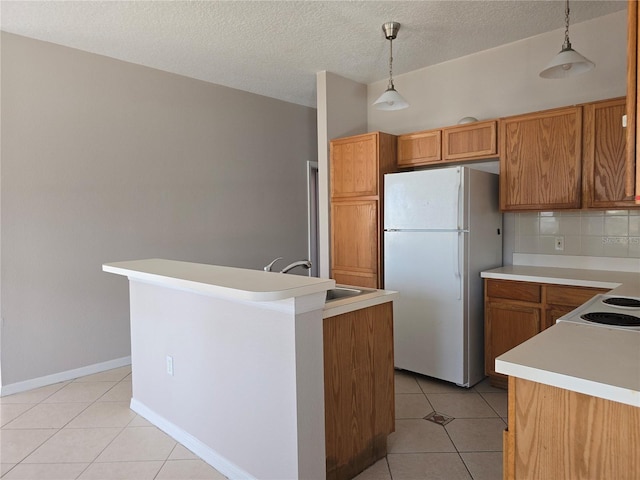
x,y
359,389
516,311
559,434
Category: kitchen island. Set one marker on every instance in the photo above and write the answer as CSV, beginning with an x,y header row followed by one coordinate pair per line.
x,y
229,362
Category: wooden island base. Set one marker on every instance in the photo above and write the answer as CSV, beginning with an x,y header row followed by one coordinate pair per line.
x,y
555,433
359,389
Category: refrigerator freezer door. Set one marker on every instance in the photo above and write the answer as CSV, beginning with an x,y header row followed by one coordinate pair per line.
x,y
423,200
429,317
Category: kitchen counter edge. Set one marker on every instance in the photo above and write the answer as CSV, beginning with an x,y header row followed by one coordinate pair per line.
x,y
229,282
597,361
625,284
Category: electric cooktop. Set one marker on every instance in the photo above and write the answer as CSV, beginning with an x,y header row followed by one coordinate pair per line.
x,y
607,311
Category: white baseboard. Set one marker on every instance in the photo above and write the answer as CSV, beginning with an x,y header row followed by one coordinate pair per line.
x,y
213,458
18,387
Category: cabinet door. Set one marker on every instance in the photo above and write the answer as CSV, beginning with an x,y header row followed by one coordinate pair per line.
x,y
553,313
470,141
604,154
540,160
359,388
506,326
348,392
354,166
562,299
355,241
420,148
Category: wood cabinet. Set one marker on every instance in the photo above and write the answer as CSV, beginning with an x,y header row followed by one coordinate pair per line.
x,y
556,433
359,389
632,171
471,141
604,155
420,148
516,311
353,245
357,166
540,160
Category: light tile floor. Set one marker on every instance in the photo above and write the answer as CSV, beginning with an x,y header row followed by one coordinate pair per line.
x,y
84,429
469,447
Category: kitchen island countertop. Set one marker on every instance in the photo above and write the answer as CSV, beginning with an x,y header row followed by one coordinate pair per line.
x,y
593,360
230,282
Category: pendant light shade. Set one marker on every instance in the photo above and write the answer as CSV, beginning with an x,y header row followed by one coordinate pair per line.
x,y
567,63
390,99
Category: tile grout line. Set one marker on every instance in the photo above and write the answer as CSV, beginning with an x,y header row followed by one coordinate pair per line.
x,y
58,430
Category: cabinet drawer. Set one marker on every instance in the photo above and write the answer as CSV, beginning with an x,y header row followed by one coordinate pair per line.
x,y
570,296
509,289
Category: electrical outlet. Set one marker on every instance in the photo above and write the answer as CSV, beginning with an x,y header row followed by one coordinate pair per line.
x,y
169,365
559,242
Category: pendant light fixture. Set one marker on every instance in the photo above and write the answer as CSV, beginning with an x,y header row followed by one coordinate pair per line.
x,y
567,63
390,99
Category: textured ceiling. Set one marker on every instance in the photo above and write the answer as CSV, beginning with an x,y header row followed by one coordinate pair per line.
x,y
275,48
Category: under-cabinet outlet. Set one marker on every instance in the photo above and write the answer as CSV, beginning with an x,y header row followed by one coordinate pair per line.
x,y
559,242
169,365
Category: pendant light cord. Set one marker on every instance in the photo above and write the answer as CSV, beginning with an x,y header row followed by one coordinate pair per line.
x,y
391,64
567,43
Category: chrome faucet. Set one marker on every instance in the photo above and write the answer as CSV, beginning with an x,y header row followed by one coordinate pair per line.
x,y
269,268
300,263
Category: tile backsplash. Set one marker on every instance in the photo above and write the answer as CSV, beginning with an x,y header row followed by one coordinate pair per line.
x,y
611,233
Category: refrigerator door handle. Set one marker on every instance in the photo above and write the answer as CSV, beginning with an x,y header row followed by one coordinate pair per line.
x,y
458,273
460,202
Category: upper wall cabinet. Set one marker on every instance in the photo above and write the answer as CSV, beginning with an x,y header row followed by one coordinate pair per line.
x,y
604,156
354,166
540,160
472,141
420,148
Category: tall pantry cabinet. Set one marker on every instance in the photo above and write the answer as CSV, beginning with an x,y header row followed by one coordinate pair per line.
x,y
357,166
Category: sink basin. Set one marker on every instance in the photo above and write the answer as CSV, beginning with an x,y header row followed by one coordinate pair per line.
x,y
342,292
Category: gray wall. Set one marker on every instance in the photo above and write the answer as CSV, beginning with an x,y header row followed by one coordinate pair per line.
x,y
103,161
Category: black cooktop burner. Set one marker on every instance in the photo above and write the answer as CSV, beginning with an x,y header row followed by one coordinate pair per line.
x,y
610,318
622,302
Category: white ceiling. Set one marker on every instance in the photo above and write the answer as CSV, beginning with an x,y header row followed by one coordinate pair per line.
x,y
275,48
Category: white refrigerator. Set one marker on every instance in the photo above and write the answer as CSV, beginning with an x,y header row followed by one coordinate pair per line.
x,y
442,227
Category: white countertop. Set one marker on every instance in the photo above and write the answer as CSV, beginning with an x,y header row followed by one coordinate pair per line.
x,y
594,360
349,304
236,283
622,283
